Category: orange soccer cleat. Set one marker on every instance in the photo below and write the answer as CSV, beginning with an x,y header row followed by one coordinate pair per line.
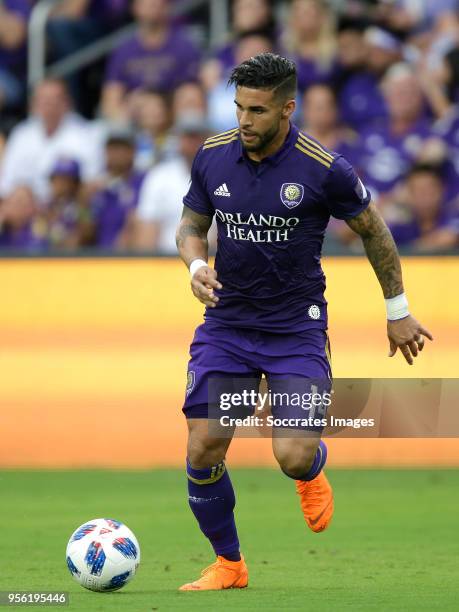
x,y
316,498
222,574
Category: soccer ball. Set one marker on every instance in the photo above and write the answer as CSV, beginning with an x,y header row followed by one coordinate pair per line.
x,y
103,555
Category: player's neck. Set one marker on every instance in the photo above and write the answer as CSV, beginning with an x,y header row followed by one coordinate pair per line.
x,y
273,146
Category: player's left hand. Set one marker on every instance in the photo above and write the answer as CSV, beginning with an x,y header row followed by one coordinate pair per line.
x,y
407,335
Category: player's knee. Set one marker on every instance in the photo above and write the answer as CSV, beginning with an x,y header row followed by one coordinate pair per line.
x,y
296,461
205,452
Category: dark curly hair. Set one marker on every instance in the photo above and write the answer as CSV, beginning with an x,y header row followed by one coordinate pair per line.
x,y
267,71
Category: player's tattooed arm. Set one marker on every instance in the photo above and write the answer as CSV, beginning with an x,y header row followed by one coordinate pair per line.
x,y
380,249
191,236
405,334
192,244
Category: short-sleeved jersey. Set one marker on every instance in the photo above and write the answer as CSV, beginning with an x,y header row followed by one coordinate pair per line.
x,y
271,220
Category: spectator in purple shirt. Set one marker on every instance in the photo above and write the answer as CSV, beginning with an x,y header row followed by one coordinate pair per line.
x,y
361,101
64,218
14,15
359,97
424,221
118,192
388,149
157,56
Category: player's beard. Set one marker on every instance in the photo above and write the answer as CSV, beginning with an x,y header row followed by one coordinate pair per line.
x,y
263,140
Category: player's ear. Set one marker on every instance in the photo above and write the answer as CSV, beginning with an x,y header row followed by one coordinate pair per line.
x,y
289,109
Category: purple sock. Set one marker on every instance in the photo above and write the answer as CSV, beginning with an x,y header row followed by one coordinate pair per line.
x,y
319,461
212,501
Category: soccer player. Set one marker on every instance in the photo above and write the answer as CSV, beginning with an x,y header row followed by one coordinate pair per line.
x,y
272,190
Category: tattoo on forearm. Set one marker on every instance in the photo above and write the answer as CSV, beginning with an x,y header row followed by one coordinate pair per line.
x,y
380,249
192,225
185,231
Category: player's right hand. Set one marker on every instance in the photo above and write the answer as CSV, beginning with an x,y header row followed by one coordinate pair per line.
x,y
203,283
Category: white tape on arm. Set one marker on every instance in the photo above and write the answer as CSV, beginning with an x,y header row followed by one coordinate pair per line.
x,y
397,307
195,265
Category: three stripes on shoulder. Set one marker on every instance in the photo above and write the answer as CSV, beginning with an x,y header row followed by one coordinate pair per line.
x,y
221,139
304,144
312,149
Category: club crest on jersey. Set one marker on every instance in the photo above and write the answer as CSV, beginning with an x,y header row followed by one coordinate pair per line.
x,y
292,194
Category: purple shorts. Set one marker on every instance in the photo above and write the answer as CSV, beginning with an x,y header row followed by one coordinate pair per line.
x,y
218,352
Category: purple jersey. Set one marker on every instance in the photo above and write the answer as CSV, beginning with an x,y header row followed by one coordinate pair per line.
x,y
271,220
136,66
110,207
385,157
15,58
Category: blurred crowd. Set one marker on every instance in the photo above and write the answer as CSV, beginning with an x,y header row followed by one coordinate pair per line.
x,y
102,158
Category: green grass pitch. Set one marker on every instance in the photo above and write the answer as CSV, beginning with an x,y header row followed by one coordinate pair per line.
x,y
393,544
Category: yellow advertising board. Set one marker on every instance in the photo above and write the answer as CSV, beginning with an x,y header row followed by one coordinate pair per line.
x,y
93,359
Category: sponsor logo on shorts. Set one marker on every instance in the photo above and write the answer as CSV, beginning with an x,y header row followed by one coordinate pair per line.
x,y
314,312
190,381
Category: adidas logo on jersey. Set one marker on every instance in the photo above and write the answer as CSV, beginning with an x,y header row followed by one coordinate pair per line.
x,y
222,191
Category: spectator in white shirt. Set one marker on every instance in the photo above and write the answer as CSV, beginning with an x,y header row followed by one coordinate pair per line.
x,y
52,131
161,196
